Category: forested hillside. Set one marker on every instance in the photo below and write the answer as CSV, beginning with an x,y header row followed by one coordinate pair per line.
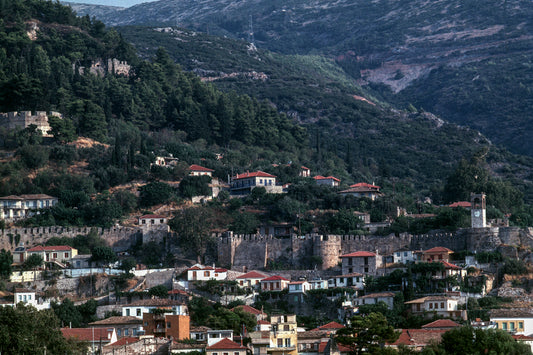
x,y
469,64
277,112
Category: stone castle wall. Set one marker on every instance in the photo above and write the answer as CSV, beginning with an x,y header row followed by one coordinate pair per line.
x,y
254,251
119,238
22,119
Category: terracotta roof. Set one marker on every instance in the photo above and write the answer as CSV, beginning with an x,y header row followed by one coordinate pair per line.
x,y
51,248
253,174
11,197
522,337
195,167
358,254
511,313
303,167
379,294
154,303
86,334
342,348
275,278
124,341
365,185
442,323
226,344
439,250
330,325
248,309
429,298
252,275
177,292
320,177
37,197
263,322
448,265
152,216
419,337
464,204
118,320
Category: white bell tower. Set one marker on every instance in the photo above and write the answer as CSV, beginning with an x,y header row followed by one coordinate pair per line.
x,y
478,212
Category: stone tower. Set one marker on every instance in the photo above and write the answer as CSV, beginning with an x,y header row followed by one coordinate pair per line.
x,y
478,210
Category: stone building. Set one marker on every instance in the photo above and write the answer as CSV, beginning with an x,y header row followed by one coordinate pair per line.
x,y
21,119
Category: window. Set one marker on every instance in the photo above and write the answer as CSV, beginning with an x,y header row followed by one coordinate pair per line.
x,y
261,181
55,255
66,255
138,312
225,354
119,332
504,325
287,343
126,332
206,273
431,306
127,312
215,354
169,325
442,305
520,325
143,221
161,221
280,343
511,326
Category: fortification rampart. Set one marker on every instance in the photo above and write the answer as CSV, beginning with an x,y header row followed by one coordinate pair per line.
x,y
119,238
254,251
23,119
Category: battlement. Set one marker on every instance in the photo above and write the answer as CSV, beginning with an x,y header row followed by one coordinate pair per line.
x,y
22,119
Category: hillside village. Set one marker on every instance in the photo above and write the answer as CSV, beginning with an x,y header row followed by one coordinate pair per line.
x,y
278,306
143,211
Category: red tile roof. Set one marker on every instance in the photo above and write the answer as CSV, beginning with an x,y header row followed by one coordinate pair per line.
x,y
252,275
118,320
442,323
51,248
263,322
464,204
248,309
253,174
342,348
330,325
439,250
365,185
152,216
124,341
86,334
420,337
226,344
275,278
195,167
320,177
358,254
448,265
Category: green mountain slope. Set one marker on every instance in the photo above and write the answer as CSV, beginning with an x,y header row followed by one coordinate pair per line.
x,y
465,61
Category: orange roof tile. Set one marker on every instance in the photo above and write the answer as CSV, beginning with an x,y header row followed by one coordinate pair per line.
x,y
439,250
252,275
442,323
86,334
358,254
195,167
226,344
330,325
275,278
253,174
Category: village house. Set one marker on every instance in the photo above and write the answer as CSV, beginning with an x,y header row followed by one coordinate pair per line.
x,y
226,347
274,283
165,162
259,315
95,338
327,180
363,262
304,172
197,170
362,189
444,324
31,298
165,325
404,257
216,335
124,326
417,339
243,184
515,321
13,208
436,253
199,333
149,220
436,305
375,298
59,254
283,336
199,272
329,328
318,284
138,308
251,279
354,280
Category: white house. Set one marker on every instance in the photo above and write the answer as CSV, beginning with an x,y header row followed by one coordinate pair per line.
x,y
403,257
243,184
56,253
197,170
149,220
515,321
13,207
274,283
363,189
137,308
354,280
216,335
327,180
30,298
436,305
318,284
299,286
250,279
375,298
203,273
